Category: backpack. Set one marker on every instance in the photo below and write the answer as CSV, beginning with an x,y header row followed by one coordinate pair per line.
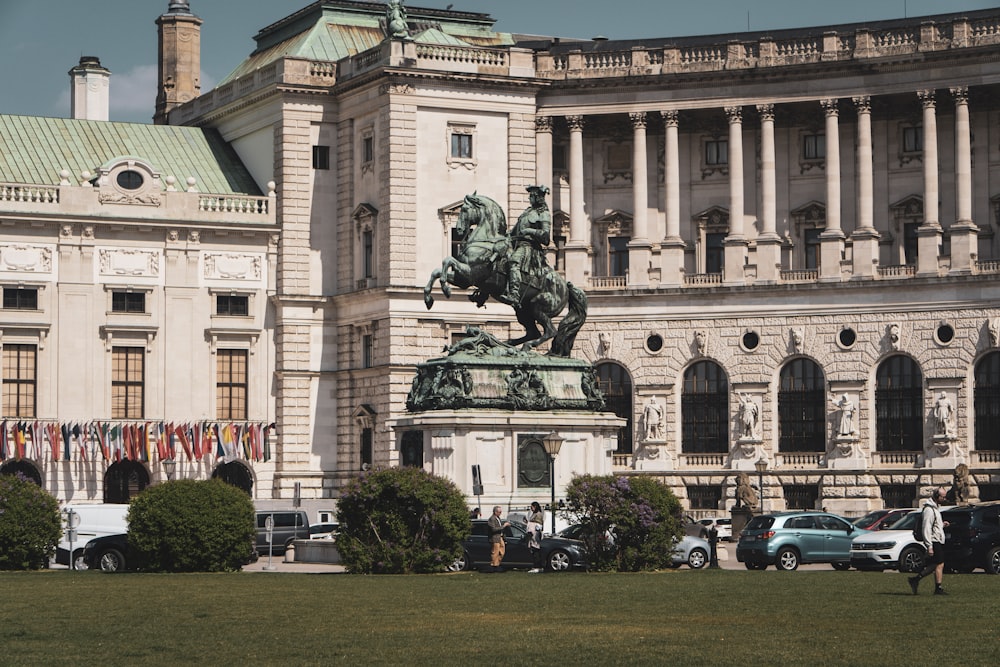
x,y
918,528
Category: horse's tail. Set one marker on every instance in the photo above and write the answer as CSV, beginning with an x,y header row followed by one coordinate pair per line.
x,y
569,327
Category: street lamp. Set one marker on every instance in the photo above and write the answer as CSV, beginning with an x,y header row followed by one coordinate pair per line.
x,y
553,442
761,466
168,467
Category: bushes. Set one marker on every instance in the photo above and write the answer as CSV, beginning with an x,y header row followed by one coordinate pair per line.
x,y
30,525
191,526
630,522
401,520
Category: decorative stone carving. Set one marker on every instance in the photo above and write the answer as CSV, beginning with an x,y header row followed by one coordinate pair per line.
x,y
129,262
893,336
845,422
961,486
993,326
129,198
749,416
944,416
746,497
652,419
24,258
701,342
798,338
232,266
603,344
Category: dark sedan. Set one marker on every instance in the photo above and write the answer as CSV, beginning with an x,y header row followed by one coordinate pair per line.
x,y
107,553
558,553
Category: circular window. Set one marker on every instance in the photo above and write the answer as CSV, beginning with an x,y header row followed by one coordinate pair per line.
x,y
750,341
654,343
847,337
945,333
129,180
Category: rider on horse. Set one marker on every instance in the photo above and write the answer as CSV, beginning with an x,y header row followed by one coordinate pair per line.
x,y
529,237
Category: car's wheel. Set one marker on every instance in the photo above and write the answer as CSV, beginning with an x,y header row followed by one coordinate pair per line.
x,y
841,566
558,561
697,559
111,560
78,561
461,563
752,565
993,561
911,559
787,559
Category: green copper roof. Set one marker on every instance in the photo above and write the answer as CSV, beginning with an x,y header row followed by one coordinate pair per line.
x,y
335,30
33,150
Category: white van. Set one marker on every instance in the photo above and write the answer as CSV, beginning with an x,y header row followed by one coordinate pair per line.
x,y
91,521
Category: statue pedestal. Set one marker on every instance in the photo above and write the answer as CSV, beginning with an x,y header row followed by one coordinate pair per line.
x,y
653,456
944,452
745,454
846,455
741,517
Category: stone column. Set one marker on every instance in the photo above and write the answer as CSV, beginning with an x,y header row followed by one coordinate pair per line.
x,y
865,238
639,247
929,234
832,238
964,232
736,242
577,247
768,243
672,247
543,150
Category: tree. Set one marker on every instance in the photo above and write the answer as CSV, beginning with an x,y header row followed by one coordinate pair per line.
x,y
630,523
400,521
191,526
30,525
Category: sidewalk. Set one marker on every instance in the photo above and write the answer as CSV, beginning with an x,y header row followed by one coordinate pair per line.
x,y
279,565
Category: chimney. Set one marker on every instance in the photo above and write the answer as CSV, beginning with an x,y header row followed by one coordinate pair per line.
x,y
179,78
89,91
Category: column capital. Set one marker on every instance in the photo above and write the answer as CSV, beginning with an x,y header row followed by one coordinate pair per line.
x,y
863,103
830,106
961,94
543,124
926,98
575,122
734,114
766,111
638,119
669,117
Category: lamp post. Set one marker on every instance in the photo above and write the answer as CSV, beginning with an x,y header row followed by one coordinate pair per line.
x,y
168,467
761,466
552,442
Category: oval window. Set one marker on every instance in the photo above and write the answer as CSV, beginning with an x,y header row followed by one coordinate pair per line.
x,y
654,343
945,334
750,341
847,337
129,180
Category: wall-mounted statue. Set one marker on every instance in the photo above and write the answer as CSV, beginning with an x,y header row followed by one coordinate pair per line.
x,y
993,326
798,338
749,416
845,424
944,415
894,336
652,419
701,342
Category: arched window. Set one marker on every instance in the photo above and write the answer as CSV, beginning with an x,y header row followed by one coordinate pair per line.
x,y
124,480
616,385
24,468
802,407
899,405
236,474
987,402
705,410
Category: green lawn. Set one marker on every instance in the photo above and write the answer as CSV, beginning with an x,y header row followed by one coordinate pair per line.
x,y
677,617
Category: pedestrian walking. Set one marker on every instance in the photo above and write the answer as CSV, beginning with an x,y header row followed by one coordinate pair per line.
x,y
933,538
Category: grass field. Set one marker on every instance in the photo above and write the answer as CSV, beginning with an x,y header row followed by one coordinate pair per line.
x,y
677,617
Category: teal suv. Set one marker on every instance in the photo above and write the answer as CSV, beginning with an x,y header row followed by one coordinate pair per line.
x,y
789,539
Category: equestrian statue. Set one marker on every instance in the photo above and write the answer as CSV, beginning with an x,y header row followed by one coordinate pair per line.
x,y
512,268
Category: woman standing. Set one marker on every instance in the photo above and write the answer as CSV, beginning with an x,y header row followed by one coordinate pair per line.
x,y
536,520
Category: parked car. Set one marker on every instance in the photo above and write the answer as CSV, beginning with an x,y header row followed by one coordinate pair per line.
x,y
789,539
891,549
692,527
108,553
324,531
972,537
723,526
691,551
90,521
882,519
287,526
558,553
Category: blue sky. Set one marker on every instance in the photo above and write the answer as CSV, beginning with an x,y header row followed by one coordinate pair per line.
x,y
40,40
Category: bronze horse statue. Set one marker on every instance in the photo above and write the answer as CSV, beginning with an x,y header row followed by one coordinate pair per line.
x,y
483,258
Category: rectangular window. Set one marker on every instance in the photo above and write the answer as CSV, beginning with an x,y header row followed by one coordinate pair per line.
x,y
559,161
910,243
366,448
715,252
707,497
19,380
128,302
368,253
128,382
899,495
619,157
367,351
812,248
617,256
913,139
367,148
231,384
20,298
231,304
716,152
461,146
321,157
814,146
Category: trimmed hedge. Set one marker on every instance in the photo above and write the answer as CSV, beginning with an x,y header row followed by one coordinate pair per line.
x,y
401,521
30,525
191,526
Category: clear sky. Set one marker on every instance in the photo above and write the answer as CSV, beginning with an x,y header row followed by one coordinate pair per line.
x,y
40,40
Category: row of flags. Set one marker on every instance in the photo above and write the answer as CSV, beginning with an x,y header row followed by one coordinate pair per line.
x,y
135,441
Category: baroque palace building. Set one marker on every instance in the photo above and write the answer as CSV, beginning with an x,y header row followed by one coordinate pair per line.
x,y
788,240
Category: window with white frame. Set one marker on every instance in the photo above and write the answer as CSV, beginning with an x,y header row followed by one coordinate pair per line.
x,y
231,383
367,150
20,380
128,382
366,245
461,145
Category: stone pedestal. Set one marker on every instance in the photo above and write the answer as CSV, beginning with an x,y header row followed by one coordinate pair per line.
x,y
745,454
741,517
653,456
846,454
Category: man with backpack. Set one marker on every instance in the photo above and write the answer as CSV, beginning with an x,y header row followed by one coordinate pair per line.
x,y
931,527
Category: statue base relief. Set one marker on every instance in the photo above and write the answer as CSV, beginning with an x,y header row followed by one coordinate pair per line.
x,y
745,454
944,452
653,456
846,454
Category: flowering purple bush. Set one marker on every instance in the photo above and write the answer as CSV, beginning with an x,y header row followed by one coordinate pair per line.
x,y
30,525
401,521
631,522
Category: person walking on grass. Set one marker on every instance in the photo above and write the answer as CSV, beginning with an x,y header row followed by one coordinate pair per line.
x,y
933,537
497,545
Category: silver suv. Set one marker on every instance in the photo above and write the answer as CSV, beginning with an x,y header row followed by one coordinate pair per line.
x,y
789,539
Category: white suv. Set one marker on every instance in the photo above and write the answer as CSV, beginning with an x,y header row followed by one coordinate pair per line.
x,y
891,549
723,526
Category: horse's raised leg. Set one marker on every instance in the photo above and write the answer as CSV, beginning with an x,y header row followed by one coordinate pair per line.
x,y
548,330
446,266
428,299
